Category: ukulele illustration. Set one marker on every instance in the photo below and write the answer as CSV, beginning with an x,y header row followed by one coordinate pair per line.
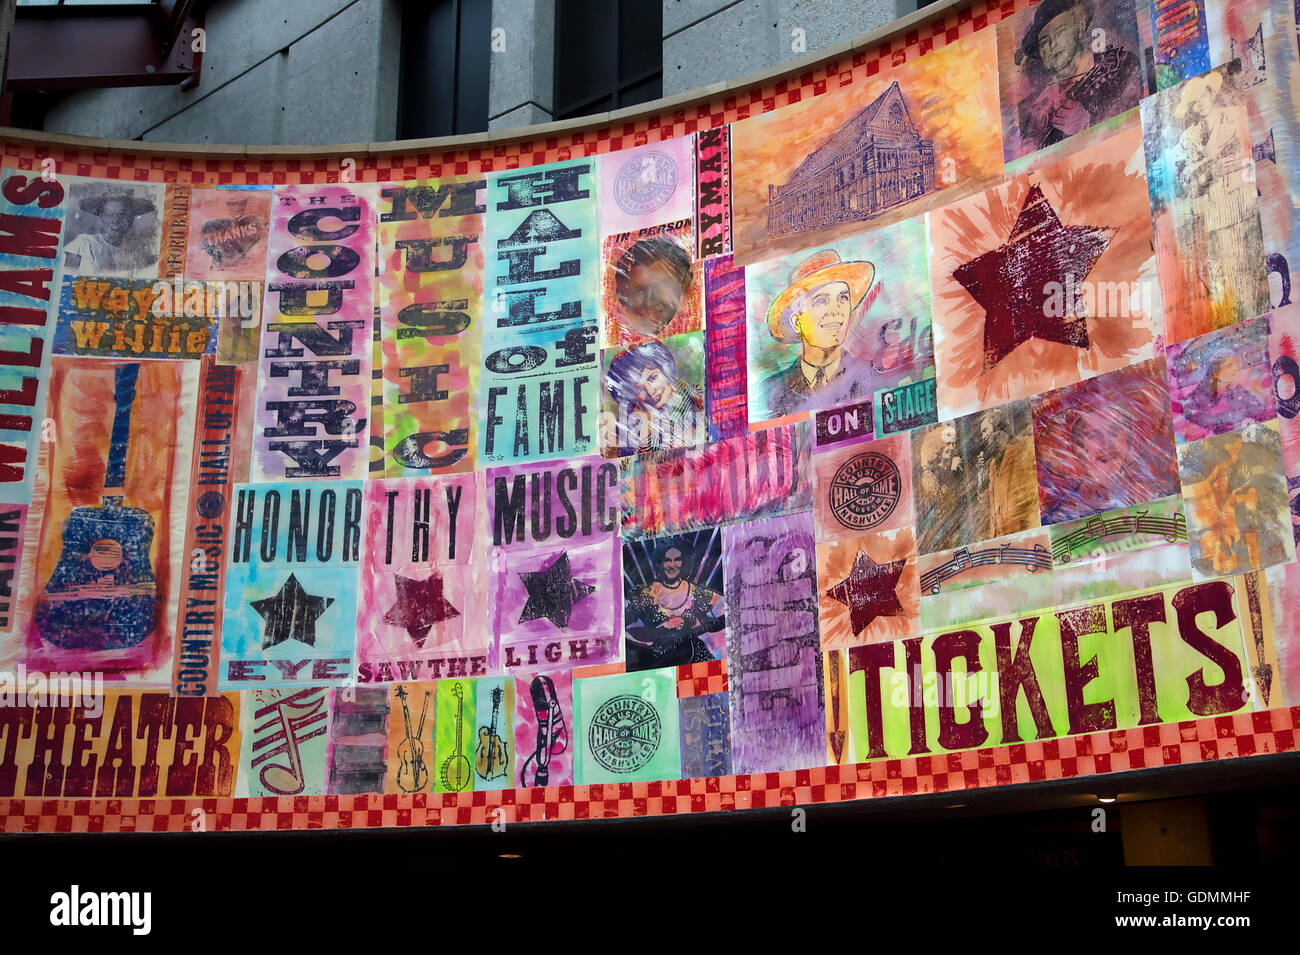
x,y
455,768
412,775
491,757
102,593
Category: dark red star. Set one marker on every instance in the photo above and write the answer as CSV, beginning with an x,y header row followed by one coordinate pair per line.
x,y
1011,282
869,591
420,604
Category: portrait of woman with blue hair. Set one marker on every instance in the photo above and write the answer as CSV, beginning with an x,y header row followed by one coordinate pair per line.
x,y
654,408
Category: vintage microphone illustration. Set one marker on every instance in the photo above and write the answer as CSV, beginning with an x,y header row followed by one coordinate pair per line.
x,y
551,730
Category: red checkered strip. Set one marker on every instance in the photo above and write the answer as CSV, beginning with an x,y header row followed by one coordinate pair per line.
x,y
699,679
851,68
1193,741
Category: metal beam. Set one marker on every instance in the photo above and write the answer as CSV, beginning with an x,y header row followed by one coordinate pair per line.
x,y
73,52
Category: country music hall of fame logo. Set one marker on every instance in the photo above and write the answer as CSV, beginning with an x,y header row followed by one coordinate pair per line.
x,y
645,182
865,490
624,734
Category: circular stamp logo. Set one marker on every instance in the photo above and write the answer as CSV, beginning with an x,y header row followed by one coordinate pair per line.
x,y
624,734
210,504
645,182
865,490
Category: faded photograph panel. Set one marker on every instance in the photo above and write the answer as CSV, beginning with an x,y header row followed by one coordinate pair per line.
x,y
650,286
654,396
1209,243
1065,65
1221,381
113,228
1238,516
974,478
674,611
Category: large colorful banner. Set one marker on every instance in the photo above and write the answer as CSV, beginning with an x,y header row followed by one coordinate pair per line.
x,y
291,585
431,294
538,396
314,368
944,399
1157,657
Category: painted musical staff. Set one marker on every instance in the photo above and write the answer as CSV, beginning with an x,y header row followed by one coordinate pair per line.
x,y
1034,559
1103,528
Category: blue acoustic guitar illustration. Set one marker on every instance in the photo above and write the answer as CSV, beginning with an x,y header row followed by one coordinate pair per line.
x,y
102,593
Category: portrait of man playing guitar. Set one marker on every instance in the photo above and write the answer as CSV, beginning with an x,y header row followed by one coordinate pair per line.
x,y
1078,74
668,615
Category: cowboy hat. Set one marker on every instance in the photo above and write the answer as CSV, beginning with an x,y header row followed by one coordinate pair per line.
x,y
1045,13
1195,88
818,269
135,205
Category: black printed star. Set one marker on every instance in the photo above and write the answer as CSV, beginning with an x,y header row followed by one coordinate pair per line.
x,y
420,604
291,614
552,593
869,591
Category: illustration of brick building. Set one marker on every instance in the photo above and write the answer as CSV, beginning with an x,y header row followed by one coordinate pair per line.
x,y
875,161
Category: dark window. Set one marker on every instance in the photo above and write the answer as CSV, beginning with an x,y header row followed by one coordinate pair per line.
x,y
608,54
443,83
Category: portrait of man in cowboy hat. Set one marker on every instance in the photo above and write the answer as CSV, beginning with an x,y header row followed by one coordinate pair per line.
x,y
118,236
1078,71
816,311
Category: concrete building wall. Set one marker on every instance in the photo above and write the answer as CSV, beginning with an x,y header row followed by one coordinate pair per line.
x,y
306,73
326,71
521,83
714,41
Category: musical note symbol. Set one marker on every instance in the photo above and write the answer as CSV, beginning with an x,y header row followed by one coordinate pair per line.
x,y
295,715
1096,527
1071,541
1042,558
933,578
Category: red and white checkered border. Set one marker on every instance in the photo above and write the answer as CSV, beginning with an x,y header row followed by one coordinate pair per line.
x,y
1093,754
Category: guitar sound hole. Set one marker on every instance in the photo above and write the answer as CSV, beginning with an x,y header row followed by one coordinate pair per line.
x,y
105,555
